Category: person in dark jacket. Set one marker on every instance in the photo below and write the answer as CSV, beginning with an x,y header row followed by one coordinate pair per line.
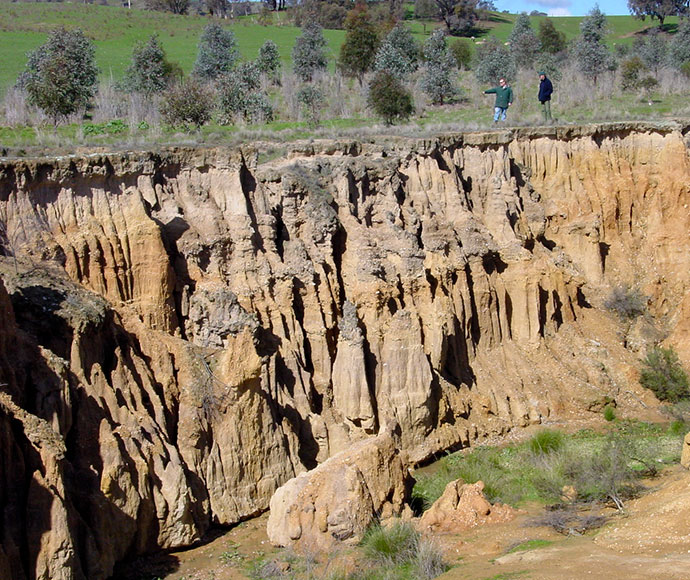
x,y
504,98
545,91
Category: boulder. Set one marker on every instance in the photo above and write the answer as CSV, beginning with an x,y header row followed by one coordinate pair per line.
x,y
338,500
463,506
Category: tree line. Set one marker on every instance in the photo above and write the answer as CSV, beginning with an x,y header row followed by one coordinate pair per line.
x,y
387,62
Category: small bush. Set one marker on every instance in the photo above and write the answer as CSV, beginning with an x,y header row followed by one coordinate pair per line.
x,y
679,412
437,76
569,521
552,41
309,52
217,54
114,127
399,551
269,60
389,98
398,53
631,69
187,104
396,543
626,302
462,53
240,94
609,413
685,69
663,374
312,100
60,76
492,60
149,72
679,46
678,427
266,570
546,441
358,51
647,85
610,473
429,561
523,42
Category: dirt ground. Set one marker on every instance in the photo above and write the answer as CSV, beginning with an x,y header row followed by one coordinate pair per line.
x,y
650,541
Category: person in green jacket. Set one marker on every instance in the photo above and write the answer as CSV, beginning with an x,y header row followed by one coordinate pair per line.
x,y
504,98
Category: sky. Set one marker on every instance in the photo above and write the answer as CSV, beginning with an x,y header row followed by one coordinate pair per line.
x,y
564,7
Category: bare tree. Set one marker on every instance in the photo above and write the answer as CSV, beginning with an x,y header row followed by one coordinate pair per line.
x,y
174,6
446,9
459,16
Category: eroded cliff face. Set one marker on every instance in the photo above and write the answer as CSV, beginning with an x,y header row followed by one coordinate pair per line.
x,y
183,332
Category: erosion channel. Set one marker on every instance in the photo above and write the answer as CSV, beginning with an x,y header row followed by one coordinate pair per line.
x,y
184,331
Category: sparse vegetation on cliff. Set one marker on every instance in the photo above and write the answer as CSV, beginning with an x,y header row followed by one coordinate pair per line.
x,y
663,374
626,302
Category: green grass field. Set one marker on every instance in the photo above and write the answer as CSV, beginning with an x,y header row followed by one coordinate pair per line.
x,y
622,29
115,30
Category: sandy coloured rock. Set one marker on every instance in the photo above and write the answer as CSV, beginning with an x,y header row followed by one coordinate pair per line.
x,y
463,506
194,327
337,501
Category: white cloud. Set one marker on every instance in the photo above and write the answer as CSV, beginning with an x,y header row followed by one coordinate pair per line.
x,y
556,4
560,12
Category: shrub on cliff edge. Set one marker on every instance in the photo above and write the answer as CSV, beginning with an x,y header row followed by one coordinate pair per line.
x,y
663,374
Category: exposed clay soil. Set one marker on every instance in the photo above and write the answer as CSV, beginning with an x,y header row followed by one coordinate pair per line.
x,y
650,541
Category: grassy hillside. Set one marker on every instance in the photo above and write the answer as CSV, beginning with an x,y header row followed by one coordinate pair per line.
x,y
622,28
114,30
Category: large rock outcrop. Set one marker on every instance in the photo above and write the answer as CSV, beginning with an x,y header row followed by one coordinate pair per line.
x,y
338,500
185,331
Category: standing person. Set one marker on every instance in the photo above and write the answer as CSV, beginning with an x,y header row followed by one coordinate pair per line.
x,y
545,90
504,98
